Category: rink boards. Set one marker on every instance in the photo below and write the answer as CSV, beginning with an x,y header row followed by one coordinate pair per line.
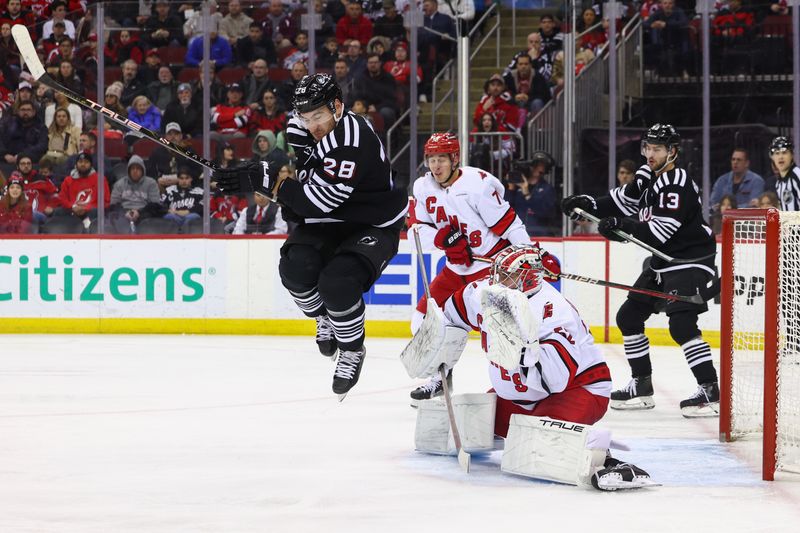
x,y
198,285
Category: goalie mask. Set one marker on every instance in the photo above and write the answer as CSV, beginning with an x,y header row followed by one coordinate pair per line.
x,y
519,267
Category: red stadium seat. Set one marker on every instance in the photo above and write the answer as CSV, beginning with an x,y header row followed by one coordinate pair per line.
x,y
116,148
231,75
242,147
172,55
377,121
112,74
144,148
279,74
197,147
188,74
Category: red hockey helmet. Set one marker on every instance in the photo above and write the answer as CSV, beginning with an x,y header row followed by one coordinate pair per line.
x,y
443,143
519,267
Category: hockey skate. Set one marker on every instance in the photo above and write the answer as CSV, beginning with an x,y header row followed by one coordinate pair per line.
x,y
617,475
326,340
348,368
638,394
432,389
704,403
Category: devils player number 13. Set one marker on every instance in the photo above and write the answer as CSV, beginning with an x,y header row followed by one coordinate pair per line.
x,y
672,200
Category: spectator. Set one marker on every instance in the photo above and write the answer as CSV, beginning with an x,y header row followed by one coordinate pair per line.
x,y
286,90
226,156
24,94
528,87
78,195
434,51
235,25
378,88
733,29
491,152
356,62
552,38
381,46
184,200
540,60
50,45
255,46
217,91
769,199
61,102
62,138
144,113
593,38
86,56
390,24
221,53
336,8
535,199
779,7
41,192
9,54
25,167
87,144
162,91
67,77
263,218
112,102
359,108
298,52
122,47
728,201
64,51
327,27
59,12
162,28
16,215
148,72
400,68
583,56
194,24
669,39
269,115
226,208
498,102
341,73
265,148
626,172
131,86
741,182
231,119
23,132
134,198
329,53
163,162
14,14
277,25
182,112
354,25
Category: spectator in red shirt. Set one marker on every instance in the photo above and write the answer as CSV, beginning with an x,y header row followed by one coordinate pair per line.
x,y
16,215
269,115
595,38
498,102
78,195
231,119
354,25
124,46
14,14
41,192
400,67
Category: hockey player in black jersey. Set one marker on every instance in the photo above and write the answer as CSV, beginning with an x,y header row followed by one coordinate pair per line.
x,y
787,179
662,208
349,216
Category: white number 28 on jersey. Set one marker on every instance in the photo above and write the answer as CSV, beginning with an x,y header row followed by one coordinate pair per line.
x,y
345,171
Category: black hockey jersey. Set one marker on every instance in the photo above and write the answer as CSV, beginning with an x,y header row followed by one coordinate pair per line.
x,y
670,213
345,177
190,199
788,190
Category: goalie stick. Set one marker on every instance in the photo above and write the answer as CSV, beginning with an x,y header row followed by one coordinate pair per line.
x,y
463,457
692,299
28,53
637,242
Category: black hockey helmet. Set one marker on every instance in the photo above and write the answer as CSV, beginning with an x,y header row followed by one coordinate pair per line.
x,y
662,134
540,156
780,144
316,91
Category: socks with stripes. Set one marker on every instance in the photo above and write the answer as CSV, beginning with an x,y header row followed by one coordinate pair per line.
x,y
698,357
310,303
637,350
348,326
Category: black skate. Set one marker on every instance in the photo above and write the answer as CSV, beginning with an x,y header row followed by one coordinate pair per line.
x,y
638,394
704,403
617,475
431,389
326,340
348,368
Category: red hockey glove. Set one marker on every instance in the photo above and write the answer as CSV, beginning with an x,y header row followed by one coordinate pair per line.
x,y
454,245
552,268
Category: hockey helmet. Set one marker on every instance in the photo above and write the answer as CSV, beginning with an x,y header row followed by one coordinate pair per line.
x,y
316,91
540,156
519,267
779,144
443,143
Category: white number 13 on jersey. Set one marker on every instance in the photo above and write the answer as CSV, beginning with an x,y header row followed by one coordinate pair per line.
x,y
673,200
346,168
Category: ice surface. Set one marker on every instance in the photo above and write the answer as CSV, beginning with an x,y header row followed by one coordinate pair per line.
x,y
243,434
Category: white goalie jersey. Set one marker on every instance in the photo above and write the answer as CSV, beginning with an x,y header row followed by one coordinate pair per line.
x,y
474,204
565,358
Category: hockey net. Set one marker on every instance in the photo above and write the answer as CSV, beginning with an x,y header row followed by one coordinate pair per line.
x,y
760,334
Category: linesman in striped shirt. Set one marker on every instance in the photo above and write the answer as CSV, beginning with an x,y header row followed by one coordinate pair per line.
x,y
787,183
662,207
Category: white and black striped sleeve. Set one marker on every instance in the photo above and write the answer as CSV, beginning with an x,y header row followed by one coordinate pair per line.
x,y
788,190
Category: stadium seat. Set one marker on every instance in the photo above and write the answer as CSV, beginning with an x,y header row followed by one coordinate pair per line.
x,y
116,148
197,147
172,55
188,74
279,74
112,74
144,148
377,121
157,226
62,225
242,147
231,75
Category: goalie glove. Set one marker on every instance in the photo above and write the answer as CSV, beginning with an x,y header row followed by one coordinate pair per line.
x,y
510,326
454,244
253,176
435,343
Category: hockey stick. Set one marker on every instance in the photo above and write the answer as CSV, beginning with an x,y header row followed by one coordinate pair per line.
x,y
28,53
693,299
463,457
637,242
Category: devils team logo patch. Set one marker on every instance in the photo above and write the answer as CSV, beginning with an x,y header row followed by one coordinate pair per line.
x,y
368,241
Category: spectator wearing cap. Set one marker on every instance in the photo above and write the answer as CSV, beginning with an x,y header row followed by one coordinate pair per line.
x,y
87,144
148,72
390,24
162,28
257,83
87,54
261,218
231,118
235,24
354,25
24,132
112,102
163,162
16,215
286,90
134,198
378,89
497,101
226,157
78,195
14,14
269,115
181,112
58,10
25,94
221,53
255,45
162,91
132,85
183,200
144,113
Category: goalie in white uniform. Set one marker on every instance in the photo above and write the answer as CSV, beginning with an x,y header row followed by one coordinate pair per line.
x,y
462,211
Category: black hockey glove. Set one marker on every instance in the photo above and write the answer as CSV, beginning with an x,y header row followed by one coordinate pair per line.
x,y
607,226
302,143
582,201
253,176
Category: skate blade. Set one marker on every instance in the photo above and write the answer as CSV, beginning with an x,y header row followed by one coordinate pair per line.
x,y
342,396
640,403
709,410
612,483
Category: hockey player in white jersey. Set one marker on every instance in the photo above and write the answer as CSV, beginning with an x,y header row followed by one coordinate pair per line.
x,y
462,211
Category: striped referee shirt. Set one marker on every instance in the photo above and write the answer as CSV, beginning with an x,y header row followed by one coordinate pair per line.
x,y
788,189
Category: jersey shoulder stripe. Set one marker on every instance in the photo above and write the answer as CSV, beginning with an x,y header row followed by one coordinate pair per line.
x,y
564,355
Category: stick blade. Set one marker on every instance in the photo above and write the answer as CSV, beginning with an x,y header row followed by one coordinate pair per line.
x,y
27,50
464,460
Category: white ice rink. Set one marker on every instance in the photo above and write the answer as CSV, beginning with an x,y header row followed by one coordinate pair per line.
x,y
242,434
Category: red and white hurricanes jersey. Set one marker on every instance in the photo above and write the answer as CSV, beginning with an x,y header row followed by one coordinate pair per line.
x,y
474,203
566,357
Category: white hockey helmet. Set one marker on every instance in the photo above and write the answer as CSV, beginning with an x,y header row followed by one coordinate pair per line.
x,y
519,267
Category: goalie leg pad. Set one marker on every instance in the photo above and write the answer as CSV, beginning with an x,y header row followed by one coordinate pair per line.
x,y
432,433
475,420
554,450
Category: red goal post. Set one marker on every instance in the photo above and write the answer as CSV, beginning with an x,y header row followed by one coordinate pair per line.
x,y
760,333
